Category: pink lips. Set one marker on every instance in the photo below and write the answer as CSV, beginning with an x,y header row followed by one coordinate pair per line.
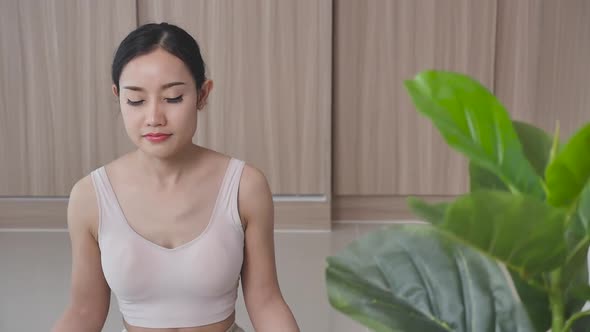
x,y
157,137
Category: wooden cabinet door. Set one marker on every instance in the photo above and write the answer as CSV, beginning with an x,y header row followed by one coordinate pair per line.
x,y
381,145
58,118
543,62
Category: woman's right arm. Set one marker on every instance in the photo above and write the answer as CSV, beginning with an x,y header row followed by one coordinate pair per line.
x,y
90,294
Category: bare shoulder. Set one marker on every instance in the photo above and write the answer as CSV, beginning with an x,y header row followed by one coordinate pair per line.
x,y
255,196
83,207
253,180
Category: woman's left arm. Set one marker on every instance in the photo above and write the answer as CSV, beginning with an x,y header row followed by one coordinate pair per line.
x,y
265,304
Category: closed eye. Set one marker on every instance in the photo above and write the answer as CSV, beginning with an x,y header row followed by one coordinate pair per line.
x,y
174,100
134,103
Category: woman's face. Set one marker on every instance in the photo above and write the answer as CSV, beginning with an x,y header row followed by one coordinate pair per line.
x,y
158,96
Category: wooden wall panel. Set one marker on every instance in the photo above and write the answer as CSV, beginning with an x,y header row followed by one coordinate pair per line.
x,y
58,120
270,62
543,62
362,209
51,213
381,145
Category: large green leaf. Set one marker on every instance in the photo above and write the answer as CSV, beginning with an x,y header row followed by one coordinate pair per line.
x,y
535,300
567,175
474,122
415,278
433,213
536,145
480,178
575,276
579,227
519,230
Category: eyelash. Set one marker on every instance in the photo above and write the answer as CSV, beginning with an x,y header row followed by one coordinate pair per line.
x,y
170,100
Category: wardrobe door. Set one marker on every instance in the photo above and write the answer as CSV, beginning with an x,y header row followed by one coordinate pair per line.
x,y
58,119
382,146
543,62
270,62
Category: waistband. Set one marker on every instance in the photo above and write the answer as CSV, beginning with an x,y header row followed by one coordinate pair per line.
x,y
233,328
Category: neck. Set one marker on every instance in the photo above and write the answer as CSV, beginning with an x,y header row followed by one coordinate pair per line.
x,y
164,173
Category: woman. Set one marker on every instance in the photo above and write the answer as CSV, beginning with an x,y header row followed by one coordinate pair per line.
x,y
171,227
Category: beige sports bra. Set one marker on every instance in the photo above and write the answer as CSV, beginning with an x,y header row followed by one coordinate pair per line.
x,y
191,285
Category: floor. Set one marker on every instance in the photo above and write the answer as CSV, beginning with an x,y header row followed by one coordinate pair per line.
x,y
35,278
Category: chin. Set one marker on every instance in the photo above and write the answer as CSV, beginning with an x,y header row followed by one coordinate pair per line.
x,y
160,151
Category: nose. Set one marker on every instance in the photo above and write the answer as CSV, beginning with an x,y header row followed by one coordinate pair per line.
x,y
156,116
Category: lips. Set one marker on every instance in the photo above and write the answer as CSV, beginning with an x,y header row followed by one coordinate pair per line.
x,y
156,137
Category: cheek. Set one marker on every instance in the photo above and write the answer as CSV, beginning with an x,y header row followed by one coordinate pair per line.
x,y
187,124
187,117
131,120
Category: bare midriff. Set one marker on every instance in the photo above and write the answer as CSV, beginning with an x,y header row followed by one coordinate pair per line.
x,y
222,326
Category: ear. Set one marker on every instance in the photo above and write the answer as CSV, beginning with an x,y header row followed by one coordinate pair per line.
x,y
204,94
115,92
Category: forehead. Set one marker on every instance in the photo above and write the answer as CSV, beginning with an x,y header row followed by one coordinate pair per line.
x,y
154,69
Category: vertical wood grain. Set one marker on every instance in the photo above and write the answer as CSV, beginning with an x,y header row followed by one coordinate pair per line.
x,y
382,146
270,62
543,62
58,120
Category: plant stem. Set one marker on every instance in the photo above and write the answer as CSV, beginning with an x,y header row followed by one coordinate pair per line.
x,y
556,301
570,322
580,246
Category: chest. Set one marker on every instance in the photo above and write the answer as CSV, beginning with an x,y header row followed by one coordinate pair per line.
x,y
168,219
206,266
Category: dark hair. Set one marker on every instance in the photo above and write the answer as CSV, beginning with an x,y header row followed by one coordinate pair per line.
x,y
169,37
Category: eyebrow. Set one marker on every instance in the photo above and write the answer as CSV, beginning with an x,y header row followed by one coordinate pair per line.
x,y
165,86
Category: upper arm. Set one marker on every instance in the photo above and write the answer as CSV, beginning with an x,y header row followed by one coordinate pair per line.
x,y
90,293
259,277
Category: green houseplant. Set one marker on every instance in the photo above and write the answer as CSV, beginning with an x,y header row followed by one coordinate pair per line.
x,y
510,255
